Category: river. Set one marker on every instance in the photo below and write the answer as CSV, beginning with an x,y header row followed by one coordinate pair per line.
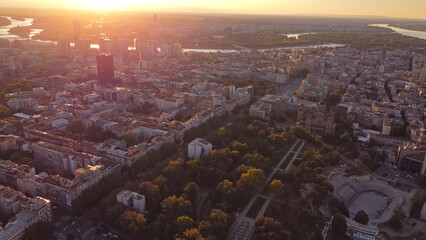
x,y
410,33
4,34
296,35
203,50
4,31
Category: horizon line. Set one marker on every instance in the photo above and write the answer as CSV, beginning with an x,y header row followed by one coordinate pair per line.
x,y
212,11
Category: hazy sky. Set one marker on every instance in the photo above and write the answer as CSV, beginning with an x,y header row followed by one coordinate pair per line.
x,y
390,8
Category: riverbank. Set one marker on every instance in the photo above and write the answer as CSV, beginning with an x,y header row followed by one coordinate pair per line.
x,y
4,22
405,32
413,27
361,40
228,49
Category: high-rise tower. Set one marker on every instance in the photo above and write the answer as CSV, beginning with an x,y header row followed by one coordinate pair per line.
x,y
105,65
76,31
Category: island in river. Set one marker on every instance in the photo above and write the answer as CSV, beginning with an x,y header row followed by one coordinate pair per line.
x,y
23,32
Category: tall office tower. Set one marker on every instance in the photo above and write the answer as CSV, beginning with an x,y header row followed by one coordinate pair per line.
x,y
84,45
152,48
107,46
76,32
64,45
422,78
228,33
122,46
101,43
176,50
139,45
105,65
164,49
15,63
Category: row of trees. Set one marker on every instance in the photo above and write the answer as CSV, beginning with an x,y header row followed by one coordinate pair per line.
x,y
339,224
396,221
237,167
303,224
202,129
303,175
261,87
93,133
418,200
174,187
16,85
95,194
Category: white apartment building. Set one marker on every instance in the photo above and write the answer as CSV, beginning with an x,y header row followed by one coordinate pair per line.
x,y
198,147
132,199
22,104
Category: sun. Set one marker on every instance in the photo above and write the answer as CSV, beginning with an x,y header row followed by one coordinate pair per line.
x,y
107,4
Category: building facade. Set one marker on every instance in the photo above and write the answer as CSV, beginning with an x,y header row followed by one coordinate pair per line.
x,y
24,212
317,120
199,147
105,67
132,199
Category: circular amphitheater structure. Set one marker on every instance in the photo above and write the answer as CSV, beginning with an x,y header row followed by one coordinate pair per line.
x,y
376,199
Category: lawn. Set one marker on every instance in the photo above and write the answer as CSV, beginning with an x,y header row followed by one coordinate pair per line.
x,y
257,205
287,160
297,146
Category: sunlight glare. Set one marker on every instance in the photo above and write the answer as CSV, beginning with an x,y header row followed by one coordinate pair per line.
x,y
108,4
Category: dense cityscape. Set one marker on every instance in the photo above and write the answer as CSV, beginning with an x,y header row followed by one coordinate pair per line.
x,y
133,125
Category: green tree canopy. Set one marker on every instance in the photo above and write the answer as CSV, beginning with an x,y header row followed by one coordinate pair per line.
x,y
240,147
131,222
225,189
422,181
191,190
18,85
183,223
205,228
276,188
362,217
267,228
338,225
219,222
131,138
175,206
192,234
252,180
5,112
396,221
41,230
257,160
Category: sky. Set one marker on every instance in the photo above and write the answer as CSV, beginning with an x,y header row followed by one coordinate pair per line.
x,y
386,8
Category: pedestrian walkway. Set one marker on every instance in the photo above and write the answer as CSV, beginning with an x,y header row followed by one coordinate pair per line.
x,y
243,226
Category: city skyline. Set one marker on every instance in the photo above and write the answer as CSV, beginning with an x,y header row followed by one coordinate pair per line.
x,y
212,119
394,8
